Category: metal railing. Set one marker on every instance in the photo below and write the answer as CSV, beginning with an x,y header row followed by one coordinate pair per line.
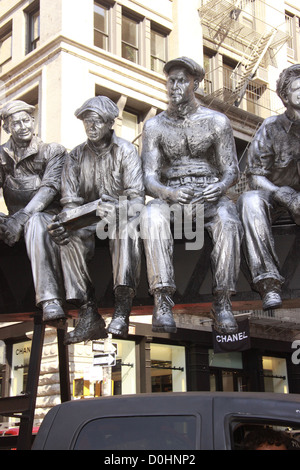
x,y
259,99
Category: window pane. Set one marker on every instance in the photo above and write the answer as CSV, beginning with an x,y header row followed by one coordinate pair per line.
x,y
101,26
100,18
275,374
130,39
129,31
100,40
158,432
129,126
129,53
168,368
5,48
34,30
158,51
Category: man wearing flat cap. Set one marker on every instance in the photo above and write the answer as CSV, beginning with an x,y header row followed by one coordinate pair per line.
x,y
273,170
104,167
189,157
30,174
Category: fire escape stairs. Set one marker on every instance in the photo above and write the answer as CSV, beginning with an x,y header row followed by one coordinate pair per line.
x,y
251,64
223,17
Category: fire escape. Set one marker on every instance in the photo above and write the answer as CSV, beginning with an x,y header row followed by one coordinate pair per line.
x,y
239,25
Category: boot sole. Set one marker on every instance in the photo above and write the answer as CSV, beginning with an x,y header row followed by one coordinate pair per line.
x,y
221,327
116,332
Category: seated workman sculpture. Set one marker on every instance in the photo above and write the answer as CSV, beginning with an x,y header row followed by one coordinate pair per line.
x,y
103,169
30,175
273,171
189,157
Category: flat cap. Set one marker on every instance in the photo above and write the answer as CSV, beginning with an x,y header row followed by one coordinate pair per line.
x,y
194,69
101,105
14,107
288,74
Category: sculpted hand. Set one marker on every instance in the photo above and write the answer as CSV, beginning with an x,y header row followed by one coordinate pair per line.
x,y
58,232
107,207
106,210
214,191
290,199
13,227
182,195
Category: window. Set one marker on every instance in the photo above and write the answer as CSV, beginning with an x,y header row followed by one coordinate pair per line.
x,y
254,93
20,364
168,371
130,39
139,433
124,372
101,17
2,366
244,435
158,50
33,30
275,374
6,44
292,24
226,372
207,82
130,126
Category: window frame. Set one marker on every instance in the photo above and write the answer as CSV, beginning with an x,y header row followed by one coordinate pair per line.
x,y
32,40
136,47
165,34
108,8
6,32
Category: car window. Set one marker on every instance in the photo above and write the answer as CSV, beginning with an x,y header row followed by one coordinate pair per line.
x,y
245,435
139,433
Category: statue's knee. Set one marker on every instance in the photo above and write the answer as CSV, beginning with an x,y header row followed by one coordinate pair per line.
x,y
250,203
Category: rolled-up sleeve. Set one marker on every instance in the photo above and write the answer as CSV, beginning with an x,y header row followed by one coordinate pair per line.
x,y
70,179
261,154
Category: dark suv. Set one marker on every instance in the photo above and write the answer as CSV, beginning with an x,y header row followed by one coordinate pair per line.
x,y
167,421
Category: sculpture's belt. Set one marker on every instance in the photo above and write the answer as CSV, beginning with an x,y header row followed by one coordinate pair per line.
x,y
192,179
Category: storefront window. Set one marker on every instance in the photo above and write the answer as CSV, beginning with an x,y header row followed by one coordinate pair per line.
x,y
20,364
226,372
168,369
2,366
275,374
124,372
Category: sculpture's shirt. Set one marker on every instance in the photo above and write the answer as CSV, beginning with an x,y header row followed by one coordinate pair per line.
x,y
40,166
275,152
115,171
201,144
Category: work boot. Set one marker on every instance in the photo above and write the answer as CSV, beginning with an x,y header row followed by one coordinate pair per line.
x,y
162,319
123,303
270,291
91,325
224,320
52,311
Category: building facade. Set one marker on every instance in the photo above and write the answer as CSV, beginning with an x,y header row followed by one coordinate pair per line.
x,y
55,54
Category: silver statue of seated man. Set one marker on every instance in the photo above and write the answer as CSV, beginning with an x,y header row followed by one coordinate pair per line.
x,y
273,171
189,156
104,167
30,175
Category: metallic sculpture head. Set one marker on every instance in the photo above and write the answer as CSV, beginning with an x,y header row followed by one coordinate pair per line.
x,y
183,78
283,86
101,105
18,121
189,64
98,115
